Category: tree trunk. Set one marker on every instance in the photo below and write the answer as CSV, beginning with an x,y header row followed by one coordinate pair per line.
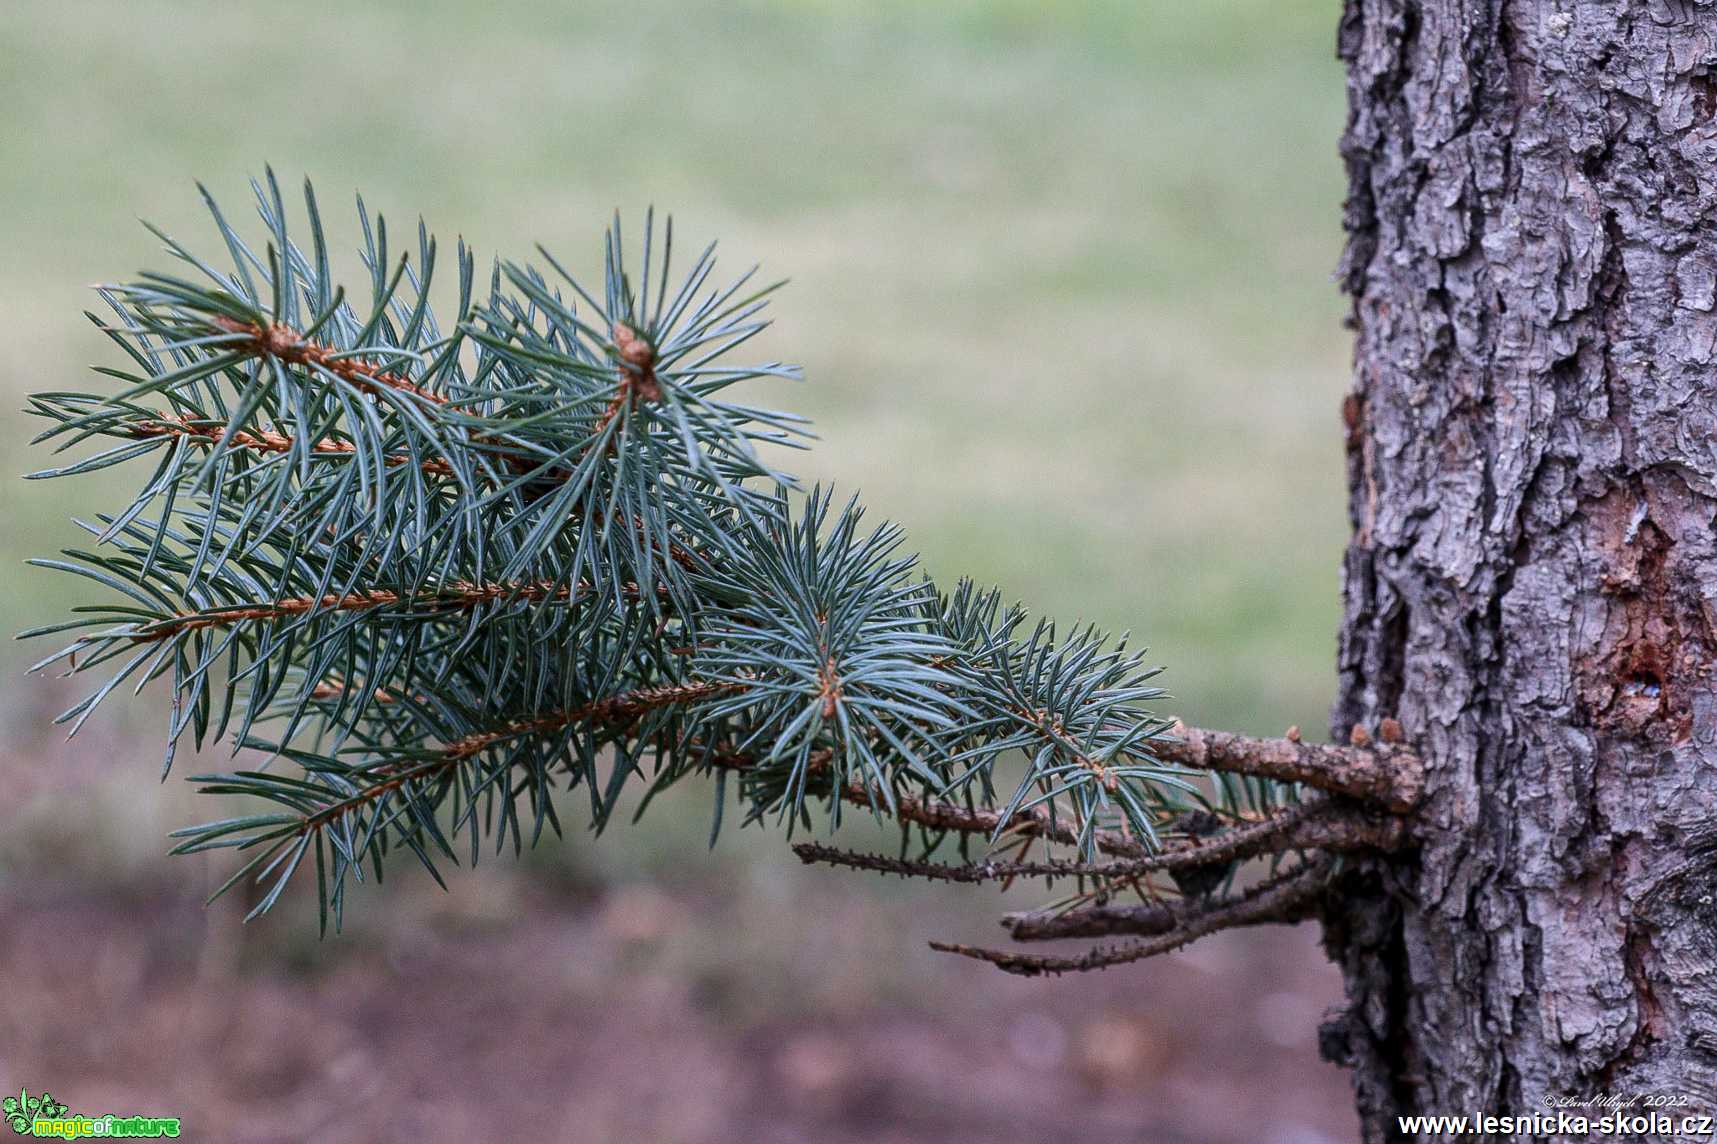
x,y
1531,586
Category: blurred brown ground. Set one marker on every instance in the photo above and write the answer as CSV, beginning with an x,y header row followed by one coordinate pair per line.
x,y
565,1023
743,998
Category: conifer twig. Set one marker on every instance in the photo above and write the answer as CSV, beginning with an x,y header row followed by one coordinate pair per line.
x,y
1282,899
1310,825
282,342
268,442
458,596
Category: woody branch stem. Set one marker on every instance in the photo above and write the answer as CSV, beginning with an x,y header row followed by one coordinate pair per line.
x,y
1385,775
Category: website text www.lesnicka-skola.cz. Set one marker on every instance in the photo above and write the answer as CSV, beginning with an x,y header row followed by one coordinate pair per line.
x,y
1692,1128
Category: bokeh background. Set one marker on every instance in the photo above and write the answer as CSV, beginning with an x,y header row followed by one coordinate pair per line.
x,y
1062,291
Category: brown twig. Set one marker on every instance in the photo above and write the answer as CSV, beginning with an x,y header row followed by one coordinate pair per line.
x,y
1282,899
459,596
1107,919
1311,825
1332,828
335,689
283,343
1136,919
627,707
953,818
829,688
1321,824
268,441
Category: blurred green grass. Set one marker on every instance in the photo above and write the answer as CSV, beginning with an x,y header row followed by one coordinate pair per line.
x,y
1061,271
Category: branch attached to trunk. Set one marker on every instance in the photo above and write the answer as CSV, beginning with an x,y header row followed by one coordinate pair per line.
x,y
1322,825
1318,823
1384,774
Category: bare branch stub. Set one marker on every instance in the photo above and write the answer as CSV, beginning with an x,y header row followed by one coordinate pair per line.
x,y
1382,774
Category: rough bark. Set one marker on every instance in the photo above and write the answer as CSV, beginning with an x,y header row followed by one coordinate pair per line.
x,y
1531,585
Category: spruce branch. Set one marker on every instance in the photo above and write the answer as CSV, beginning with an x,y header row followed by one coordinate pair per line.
x,y
439,578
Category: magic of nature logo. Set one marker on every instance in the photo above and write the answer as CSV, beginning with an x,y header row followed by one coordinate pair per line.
x,y
44,1117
